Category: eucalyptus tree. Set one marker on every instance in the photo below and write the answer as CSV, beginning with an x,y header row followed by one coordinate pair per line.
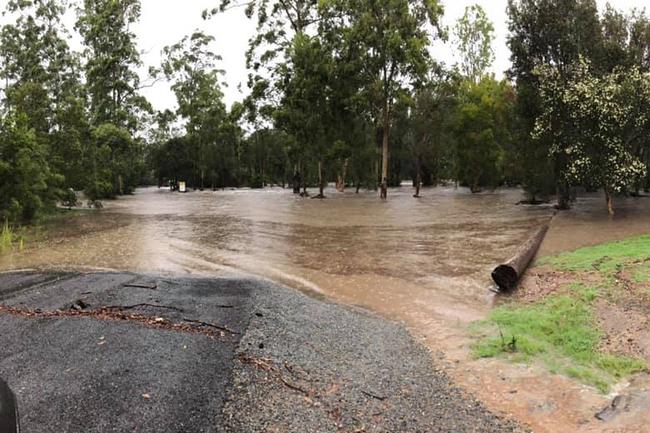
x,y
474,35
196,82
278,22
392,39
305,108
430,129
110,65
268,59
111,61
554,33
597,120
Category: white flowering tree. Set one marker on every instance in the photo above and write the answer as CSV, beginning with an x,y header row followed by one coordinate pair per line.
x,y
600,124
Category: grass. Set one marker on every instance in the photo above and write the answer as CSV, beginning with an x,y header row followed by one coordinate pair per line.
x,y
9,238
605,257
561,330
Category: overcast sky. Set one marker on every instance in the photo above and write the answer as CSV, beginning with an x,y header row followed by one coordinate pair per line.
x,y
164,22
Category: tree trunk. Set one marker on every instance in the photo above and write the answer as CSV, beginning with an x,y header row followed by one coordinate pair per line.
x,y
563,196
341,180
304,192
418,177
320,180
608,199
508,274
384,150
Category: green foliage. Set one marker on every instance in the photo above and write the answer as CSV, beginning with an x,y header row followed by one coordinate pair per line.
x,y
561,331
481,127
26,182
594,123
474,35
554,33
111,60
114,170
212,133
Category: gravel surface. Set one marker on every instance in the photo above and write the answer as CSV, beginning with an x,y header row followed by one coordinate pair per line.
x,y
118,352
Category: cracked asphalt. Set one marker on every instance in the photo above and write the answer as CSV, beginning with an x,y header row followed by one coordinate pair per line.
x,y
122,352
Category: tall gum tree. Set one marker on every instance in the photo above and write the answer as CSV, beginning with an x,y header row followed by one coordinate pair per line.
x,y
474,34
268,58
393,39
191,67
111,61
112,84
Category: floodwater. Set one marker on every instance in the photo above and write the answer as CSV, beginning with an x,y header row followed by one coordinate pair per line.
x,y
436,251
424,262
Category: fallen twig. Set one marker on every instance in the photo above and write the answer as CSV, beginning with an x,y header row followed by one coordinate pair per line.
x,y
117,315
373,395
212,325
130,307
268,365
141,286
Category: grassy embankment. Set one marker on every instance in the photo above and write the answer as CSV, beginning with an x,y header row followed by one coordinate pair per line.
x,y
561,327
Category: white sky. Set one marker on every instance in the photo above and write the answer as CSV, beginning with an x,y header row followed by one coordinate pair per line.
x,y
167,21
164,22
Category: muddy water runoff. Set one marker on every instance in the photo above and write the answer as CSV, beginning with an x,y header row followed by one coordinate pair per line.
x,y
424,262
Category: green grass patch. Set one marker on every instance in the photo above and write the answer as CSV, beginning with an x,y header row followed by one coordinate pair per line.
x,y
605,257
9,238
561,331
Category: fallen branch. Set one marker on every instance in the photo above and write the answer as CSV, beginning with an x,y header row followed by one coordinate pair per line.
x,y
130,307
112,314
211,325
141,286
373,395
508,274
268,366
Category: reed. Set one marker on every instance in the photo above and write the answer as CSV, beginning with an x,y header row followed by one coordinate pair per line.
x,y
8,237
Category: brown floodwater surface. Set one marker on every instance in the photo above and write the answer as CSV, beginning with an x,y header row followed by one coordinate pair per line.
x,y
435,251
424,262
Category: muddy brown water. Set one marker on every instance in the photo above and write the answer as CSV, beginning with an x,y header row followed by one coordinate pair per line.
x,y
424,262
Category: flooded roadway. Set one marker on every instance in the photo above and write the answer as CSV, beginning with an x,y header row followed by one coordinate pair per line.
x,y
424,262
435,252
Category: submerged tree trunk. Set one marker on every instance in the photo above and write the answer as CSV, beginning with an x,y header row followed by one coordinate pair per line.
x,y
320,180
384,150
340,183
563,196
476,187
608,199
418,177
296,179
304,192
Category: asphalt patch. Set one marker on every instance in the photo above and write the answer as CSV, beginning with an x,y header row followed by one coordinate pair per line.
x,y
122,352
